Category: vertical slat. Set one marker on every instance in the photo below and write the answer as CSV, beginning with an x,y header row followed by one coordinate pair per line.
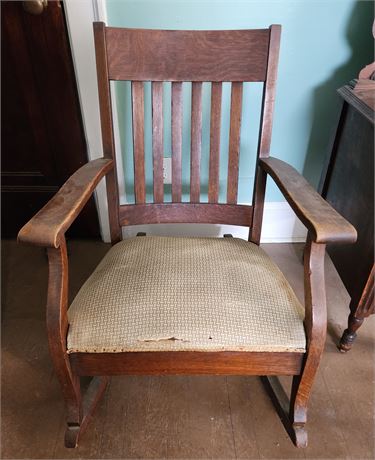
x,y
234,142
215,124
138,141
107,130
176,141
196,141
157,140
269,92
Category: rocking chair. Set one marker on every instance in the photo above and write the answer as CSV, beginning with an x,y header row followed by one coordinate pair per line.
x,y
166,305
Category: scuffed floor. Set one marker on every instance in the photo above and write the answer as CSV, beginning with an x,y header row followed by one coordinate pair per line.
x,y
175,417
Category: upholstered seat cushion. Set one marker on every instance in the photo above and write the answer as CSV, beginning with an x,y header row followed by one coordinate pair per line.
x,y
185,294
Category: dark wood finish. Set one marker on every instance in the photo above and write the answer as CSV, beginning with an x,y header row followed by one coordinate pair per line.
x,y
215,125
57,328
347,183
176,141
265,131
259,194
196,141
269,92
316,327
360,95
364,308
157,141
294,411
138,141
42,136
187,55
107,129
168,213
47,228
185,362
325,224
234,142
129,51
78,411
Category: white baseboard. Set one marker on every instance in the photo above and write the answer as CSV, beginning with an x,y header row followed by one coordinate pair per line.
x,y
280,225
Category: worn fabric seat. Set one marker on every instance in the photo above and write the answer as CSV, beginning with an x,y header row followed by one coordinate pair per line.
x,y
185,294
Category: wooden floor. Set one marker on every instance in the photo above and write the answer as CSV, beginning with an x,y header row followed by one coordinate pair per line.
x,y
175,417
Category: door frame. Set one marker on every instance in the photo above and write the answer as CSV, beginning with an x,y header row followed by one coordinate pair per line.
x,y
79,17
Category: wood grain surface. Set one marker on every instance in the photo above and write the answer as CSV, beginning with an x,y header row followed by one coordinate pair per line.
x,y
196,141
157,141
234,142
48,226
185,213
186,362
186,55
325,224
138,141
215,127
176,142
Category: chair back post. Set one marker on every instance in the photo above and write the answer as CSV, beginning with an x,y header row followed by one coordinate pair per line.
x,y
107,129
265,132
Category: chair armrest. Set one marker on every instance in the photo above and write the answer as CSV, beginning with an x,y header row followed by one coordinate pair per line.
x,y
50,224
325,224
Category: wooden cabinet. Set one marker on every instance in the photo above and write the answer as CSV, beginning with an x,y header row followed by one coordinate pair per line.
x,y
348,184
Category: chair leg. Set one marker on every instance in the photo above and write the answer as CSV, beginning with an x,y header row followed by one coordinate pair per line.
x,y
350,334
298,412
294,417
75,429
285,408
78,410
316,327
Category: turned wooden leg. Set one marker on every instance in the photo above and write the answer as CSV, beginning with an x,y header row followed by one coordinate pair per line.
x,y
350,333
360,309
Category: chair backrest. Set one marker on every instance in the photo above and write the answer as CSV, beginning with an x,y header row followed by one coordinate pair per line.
x,y
176,56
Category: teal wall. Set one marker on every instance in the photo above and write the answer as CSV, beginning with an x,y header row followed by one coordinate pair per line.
x,y
324,44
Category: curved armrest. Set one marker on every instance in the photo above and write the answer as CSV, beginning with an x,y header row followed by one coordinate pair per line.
x,y
48,226
325,224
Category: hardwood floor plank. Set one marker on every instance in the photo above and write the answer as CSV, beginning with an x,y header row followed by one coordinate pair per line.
x,y
116,410
32,407
242,414
145,428
200,425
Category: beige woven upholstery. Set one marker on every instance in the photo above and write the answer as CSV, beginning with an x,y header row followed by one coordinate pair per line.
x,y
181,294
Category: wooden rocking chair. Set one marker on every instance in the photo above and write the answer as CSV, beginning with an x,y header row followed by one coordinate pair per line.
x,y
163,305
